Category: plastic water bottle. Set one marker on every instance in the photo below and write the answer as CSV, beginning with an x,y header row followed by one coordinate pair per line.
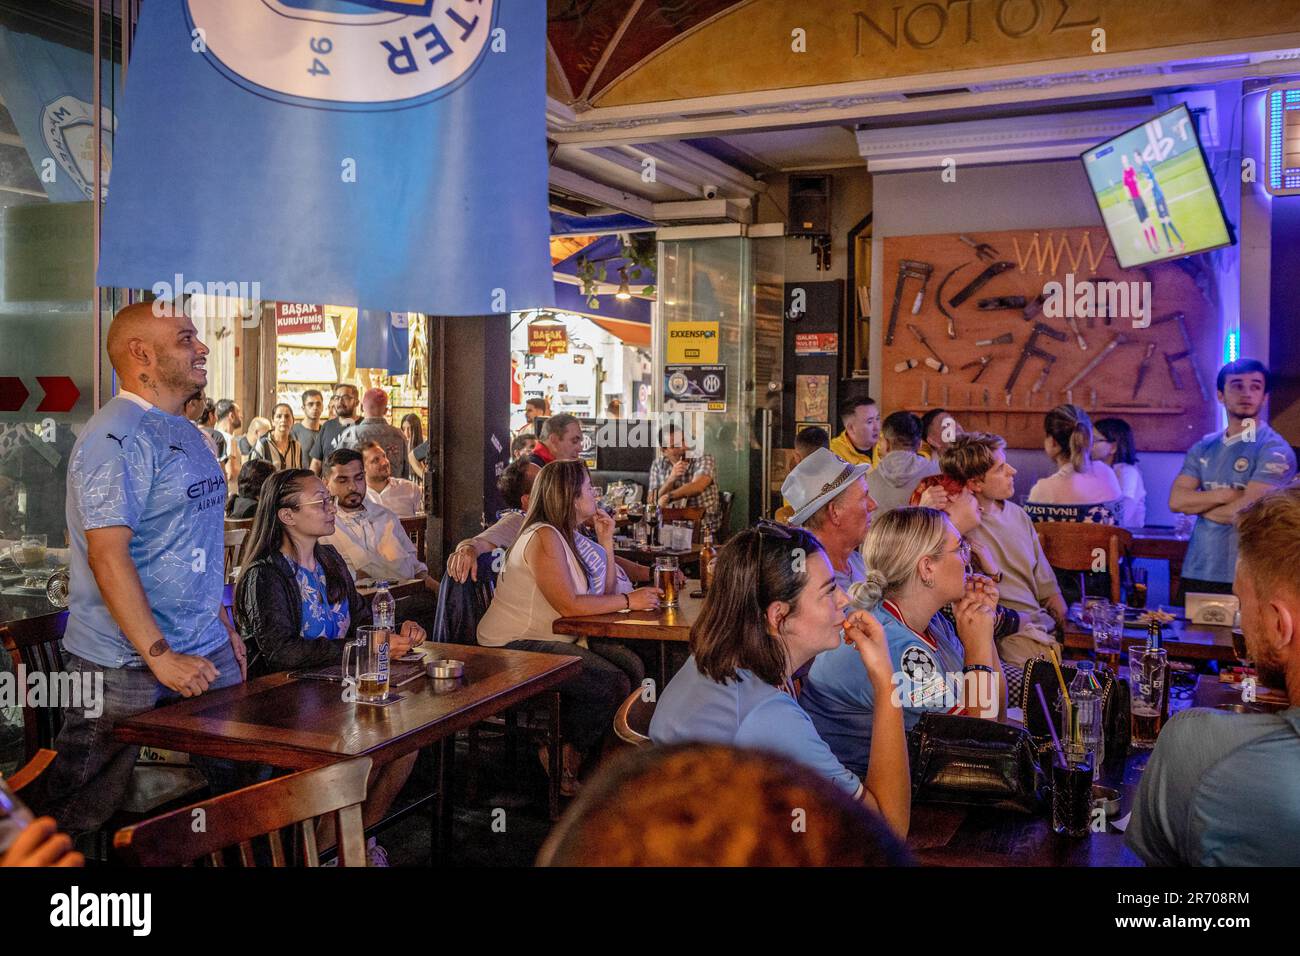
x,y
384,608
1085,695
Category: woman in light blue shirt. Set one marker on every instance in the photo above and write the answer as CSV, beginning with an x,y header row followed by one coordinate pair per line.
x,y
772,607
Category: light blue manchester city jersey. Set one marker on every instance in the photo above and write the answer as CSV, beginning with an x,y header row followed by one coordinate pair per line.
x,y
152,472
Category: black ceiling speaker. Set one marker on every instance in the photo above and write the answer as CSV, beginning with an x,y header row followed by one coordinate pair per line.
x,y
810,206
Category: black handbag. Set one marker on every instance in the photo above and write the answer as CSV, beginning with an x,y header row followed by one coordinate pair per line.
x,y
1114,705
975,762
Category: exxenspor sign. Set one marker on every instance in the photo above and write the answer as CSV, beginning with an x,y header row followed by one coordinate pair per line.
x,y
692,343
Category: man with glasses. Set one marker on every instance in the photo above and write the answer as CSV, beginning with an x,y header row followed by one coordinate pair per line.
x,y
330,436
830,498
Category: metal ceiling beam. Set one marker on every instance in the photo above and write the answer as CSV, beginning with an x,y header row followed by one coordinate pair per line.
x,y
578,185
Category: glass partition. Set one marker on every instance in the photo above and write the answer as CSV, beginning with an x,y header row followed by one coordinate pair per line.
x,y
48,354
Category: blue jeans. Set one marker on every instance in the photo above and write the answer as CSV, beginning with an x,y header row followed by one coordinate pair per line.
x,y
88,780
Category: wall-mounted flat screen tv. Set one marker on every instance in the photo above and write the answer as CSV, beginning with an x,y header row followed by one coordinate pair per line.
x,y
1155,192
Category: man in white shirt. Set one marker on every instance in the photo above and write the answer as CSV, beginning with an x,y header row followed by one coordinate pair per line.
x,y
371,538
400,496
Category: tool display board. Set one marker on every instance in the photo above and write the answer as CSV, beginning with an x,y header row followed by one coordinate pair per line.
x,y
1172,407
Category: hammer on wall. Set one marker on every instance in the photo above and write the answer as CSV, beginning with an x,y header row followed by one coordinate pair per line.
x,y
907,269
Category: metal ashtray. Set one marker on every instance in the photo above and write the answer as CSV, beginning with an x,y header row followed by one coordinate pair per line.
x,y
1241,708
445,668
1107,798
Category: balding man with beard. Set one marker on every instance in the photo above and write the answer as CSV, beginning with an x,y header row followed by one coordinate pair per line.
x,y
146,499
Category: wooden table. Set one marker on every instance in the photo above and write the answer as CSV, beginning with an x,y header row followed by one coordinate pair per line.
x,y
966,836
299,724
1162,545
685,559
943,835
663,625
1182,639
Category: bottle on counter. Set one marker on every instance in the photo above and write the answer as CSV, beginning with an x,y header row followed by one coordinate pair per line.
x,y
708,557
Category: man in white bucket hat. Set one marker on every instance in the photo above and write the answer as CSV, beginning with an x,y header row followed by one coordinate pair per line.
x,y
830,499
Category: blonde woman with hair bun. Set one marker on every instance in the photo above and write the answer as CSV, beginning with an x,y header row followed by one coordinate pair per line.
x,y
917,565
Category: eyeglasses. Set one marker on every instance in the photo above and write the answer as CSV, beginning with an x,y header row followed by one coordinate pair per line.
x,y
962,551
326,502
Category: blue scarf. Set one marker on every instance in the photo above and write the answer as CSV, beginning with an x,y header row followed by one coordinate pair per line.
x,y
593,559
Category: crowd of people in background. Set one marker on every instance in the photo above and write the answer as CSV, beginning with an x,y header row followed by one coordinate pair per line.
x,y
899,550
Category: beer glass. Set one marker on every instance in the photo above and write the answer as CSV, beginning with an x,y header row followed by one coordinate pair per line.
x,y
28,552
366,681
666,578
1148,669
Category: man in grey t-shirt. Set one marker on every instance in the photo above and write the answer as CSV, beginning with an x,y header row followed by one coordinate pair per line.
x,y
374,427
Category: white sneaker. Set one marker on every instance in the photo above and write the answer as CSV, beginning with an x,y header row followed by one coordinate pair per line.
x,y
376,855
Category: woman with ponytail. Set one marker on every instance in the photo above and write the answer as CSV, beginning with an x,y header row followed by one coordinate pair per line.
x,y
1082,489
772,607
916,565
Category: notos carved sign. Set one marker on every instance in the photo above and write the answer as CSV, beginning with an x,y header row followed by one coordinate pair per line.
x,y
924,25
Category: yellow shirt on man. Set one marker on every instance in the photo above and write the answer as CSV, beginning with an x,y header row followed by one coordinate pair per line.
x,y
841,445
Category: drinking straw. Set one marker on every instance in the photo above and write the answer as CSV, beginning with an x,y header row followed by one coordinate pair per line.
x,y
1047,712
1065,694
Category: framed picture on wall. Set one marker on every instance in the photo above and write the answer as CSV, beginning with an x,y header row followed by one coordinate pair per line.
x,y
812,397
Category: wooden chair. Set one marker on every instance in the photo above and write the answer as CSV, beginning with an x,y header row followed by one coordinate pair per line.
x,y
34,643
234,543
239,524
632,719
25,775
262,810
1070,546
693,515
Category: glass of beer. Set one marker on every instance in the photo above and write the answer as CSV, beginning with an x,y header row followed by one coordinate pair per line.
x,y
666,578
1148,669
1137,594
366,681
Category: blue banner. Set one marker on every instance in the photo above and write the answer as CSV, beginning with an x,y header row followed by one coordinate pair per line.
x,y
49,92
384,341
382,154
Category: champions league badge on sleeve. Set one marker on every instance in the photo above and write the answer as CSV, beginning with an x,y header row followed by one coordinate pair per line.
x,y
344,54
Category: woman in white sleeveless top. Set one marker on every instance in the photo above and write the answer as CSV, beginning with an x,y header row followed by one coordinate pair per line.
x,y
544,579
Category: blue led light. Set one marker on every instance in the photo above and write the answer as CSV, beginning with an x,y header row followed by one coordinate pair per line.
x,y
1232,346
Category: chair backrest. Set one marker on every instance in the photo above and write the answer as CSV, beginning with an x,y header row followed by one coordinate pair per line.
x,y
632,719
25,775
239,524
1072,546
461,606
262,810
693,515
233,543
33,642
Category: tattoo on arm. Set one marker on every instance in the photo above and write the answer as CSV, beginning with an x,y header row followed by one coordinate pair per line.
x,y
159,648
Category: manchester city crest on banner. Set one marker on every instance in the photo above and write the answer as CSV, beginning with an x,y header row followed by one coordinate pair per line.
x,y
68,127
344,54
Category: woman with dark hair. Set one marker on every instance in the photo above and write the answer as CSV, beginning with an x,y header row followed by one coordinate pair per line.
x,y
413,432
1081,489
1113,444
296,604
278,446
552,571
772,607
251,478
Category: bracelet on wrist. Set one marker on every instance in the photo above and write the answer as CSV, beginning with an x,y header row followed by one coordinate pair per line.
x,y
627,600
977,667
